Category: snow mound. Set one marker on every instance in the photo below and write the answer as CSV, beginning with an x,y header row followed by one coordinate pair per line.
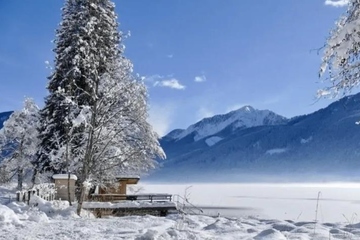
x,y
284,227
8,216
356,225
223,223
149,235
37,216
41,204
270,234
57,209
18,207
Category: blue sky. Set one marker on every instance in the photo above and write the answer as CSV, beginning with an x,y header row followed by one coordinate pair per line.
x,y
199,58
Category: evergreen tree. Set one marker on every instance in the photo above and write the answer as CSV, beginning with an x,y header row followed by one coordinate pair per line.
x,y
86,39
95,118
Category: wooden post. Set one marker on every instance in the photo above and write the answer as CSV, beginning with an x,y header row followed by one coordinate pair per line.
x,y
18,196
29,194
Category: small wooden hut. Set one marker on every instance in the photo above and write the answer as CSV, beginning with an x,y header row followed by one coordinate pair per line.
x,y
120,186
61,186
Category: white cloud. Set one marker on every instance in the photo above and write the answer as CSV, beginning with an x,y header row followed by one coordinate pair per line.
x,y
161,81
160,117
170,83
201,78
336,3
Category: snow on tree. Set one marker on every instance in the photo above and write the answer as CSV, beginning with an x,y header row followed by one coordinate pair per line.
x,y
94,123
119,137
124,140
341,59
84,42
19,140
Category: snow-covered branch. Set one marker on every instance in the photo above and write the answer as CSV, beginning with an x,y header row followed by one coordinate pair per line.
x,y
19,140
341,58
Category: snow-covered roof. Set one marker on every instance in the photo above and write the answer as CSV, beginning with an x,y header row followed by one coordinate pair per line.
x,y
130,179
64,176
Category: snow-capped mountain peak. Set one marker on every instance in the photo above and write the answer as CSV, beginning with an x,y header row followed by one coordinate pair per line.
x,y
244,117
246,108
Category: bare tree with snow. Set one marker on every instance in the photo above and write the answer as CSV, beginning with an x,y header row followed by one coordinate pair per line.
x,y
19,140
119,138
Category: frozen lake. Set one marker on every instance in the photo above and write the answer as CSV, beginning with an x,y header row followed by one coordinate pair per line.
x,y
339,202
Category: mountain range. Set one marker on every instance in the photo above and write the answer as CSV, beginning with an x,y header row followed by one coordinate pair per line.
x,y
256,145
259,145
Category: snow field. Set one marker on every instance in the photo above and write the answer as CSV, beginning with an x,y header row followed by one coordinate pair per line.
x,y
171,227
57,220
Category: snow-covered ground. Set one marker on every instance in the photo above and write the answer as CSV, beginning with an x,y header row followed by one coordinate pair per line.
x,y
254,205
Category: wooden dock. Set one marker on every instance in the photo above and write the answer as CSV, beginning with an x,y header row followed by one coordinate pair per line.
x,y
132,204
110,197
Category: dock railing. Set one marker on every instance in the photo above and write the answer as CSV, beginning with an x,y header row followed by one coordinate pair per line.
x,y
185,206
110,197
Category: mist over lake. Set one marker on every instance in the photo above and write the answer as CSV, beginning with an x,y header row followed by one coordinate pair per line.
x,y
338,202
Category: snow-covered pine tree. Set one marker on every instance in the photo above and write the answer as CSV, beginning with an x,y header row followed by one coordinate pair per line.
x,y
108,104
18,141
86,39
341,58
66,156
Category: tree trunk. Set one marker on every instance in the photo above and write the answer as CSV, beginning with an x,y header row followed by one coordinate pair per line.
x,y
81,199
20,179
68,188
20,169
85,173
34,176
67,166
88,155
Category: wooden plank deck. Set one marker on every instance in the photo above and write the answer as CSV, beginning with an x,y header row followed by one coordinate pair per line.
x,y
157,210
110,197
130,204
